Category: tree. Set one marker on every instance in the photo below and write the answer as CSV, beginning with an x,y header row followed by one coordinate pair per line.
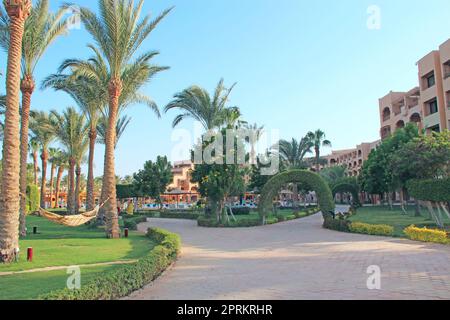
x,y
118,33
153,180
54,154
121,126
61,161
40,31
333,175
39,125
18,11
34,147
196,103
318,140
72,131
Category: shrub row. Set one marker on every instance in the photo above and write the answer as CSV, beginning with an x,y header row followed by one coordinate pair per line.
x,y
241,211
371,229
126,279
437,190
336,224
208,222
132,222
190,215
426,235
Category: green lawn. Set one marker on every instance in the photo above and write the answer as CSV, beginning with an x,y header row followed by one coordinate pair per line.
x,y
395,218
57,245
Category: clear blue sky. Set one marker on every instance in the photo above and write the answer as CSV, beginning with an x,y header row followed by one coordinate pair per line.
x,y
299,65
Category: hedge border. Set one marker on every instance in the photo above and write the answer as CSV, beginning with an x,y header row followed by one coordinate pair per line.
x,y
437,190
313,180
126,279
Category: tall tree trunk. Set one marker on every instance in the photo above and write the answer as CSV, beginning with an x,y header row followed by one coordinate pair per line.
x,y
35,167
71,189
10,188
109,177
58,184
90,203
77,189
27,88
44,158
52,178
317,150
295,204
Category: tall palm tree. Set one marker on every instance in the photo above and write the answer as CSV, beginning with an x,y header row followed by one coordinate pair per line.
x,y
292,154
34,148
196,103
90,97
54,155
39,126
318,140
121,126
118,33
41,30
256,132
72,130
61,161
17,12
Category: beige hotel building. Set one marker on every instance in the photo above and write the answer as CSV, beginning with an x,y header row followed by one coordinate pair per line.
x,y
426,105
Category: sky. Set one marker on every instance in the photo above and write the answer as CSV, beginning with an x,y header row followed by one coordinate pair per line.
x,y
299,65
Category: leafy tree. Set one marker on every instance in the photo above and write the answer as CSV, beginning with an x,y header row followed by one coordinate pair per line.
x,y
153,180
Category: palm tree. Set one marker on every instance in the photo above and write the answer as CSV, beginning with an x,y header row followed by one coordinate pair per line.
x,y
292,154
91,99
40,31
212,112
61,161
18,12
256,132
121,126
44,135
318,140
72,130
54,155
34,147
118,33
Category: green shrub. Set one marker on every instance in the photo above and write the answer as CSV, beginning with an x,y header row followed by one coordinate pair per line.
x,y
426,235
291,217
211,222
132,222
281,217
353,188
189,215
437,190
33,198
271,220
371,229
126,279
316,183
241,211
336,224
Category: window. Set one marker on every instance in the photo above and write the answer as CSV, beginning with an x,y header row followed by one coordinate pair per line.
x,y
433,107
431,81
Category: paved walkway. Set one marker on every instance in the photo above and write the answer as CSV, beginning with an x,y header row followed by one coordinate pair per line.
x,y
297,260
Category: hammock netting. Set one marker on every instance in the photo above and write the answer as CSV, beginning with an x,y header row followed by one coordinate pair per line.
x,y
70,221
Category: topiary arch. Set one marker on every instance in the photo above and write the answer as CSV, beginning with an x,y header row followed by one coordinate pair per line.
x,y
316,183
347,187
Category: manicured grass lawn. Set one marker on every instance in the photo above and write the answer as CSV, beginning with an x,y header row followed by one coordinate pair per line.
x,y
32,285
395,218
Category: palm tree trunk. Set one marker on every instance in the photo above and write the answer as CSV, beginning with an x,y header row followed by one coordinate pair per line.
x,y
90,203
58,184
71,189
36,167
44,158
317,150
109,177
10,195
27,88
52,178
77,189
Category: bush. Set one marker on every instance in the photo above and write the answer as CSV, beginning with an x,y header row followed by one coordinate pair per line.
x,y
426,235
371,229
280,217
33,199
126,279
271,220
336,224
211,222
190,215
316,182
132,223
437,190
241,211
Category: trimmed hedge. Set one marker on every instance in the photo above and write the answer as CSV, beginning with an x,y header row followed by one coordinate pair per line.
x,y
179,215
371,229
436,190
132,223
128,278
207,222
33,198
336,224
426,235
241,211
348,187
316,182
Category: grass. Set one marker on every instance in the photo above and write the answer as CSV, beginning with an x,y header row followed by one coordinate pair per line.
x,y
32,285
57,245
395,218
